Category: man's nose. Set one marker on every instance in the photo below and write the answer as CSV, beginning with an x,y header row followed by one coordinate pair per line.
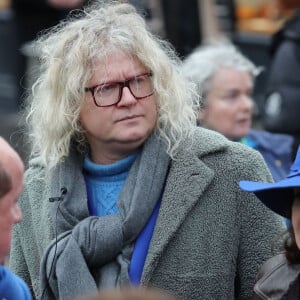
x,y
127,97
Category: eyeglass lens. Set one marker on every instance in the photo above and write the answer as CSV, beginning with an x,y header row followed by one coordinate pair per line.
x,y
111,93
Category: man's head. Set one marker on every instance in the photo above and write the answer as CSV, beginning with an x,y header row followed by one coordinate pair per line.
x,y
224,79
76,53
11,185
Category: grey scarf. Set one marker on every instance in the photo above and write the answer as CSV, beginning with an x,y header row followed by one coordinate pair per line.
x,y
91,252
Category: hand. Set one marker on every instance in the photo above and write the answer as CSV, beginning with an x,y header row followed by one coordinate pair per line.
x,y
65,4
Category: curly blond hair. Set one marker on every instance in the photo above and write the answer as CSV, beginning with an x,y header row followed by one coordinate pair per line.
x,y
66,55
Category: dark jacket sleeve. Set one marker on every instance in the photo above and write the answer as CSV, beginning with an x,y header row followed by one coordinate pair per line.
x,y
277,279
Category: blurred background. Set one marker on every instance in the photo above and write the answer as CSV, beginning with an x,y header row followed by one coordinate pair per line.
x,y
249,24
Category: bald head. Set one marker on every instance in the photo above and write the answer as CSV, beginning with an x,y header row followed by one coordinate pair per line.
x,y
10,164
11,186
8,154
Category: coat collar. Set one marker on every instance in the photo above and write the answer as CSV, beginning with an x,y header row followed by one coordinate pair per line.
x,y
188,178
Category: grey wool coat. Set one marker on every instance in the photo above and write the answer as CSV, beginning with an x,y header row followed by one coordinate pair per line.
x,y
210,237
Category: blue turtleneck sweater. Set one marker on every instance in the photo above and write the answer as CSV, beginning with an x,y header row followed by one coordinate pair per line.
x,y
104,183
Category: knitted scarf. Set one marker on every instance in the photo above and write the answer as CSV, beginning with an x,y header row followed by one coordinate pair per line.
x,y
89,252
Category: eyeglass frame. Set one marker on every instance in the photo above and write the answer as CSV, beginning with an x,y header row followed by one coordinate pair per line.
x,y
122,84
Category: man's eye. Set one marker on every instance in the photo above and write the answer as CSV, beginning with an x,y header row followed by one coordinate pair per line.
x,y
139,80
106,89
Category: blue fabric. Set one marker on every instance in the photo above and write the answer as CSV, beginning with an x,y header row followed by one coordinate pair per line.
x,y
12,287
276,150
141,248
279,195
104,183
249,142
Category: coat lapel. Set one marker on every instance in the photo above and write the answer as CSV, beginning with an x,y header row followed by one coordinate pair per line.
x,y
187,180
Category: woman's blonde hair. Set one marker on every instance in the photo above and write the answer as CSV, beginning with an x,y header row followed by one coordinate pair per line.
x,y
66,55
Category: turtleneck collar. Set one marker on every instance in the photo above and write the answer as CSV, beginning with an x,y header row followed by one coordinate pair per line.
x,y
100,171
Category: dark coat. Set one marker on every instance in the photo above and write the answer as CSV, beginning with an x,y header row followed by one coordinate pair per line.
x,y
277,280
281,112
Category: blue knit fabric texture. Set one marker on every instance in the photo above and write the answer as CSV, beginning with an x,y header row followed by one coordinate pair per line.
x,y
12,287
104,184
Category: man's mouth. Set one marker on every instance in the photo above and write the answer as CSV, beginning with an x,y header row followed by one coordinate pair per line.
x,y
128,118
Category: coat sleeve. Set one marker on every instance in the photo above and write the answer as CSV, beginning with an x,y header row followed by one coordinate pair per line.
x,y
26,242
17,261
259,226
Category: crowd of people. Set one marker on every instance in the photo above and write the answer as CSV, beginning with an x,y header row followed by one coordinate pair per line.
x,y
132,187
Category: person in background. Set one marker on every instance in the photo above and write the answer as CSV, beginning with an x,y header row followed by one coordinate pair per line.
x,y
225,79
281,111
12,287
279,277
122,187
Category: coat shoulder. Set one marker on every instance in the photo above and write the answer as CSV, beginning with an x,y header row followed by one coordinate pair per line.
x,y
206,142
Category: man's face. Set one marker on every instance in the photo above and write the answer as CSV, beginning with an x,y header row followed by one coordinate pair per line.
x,y
115,131
229,106
10,212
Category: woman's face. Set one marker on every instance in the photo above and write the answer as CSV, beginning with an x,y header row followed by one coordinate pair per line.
x,y
296,215
115,131
229,105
